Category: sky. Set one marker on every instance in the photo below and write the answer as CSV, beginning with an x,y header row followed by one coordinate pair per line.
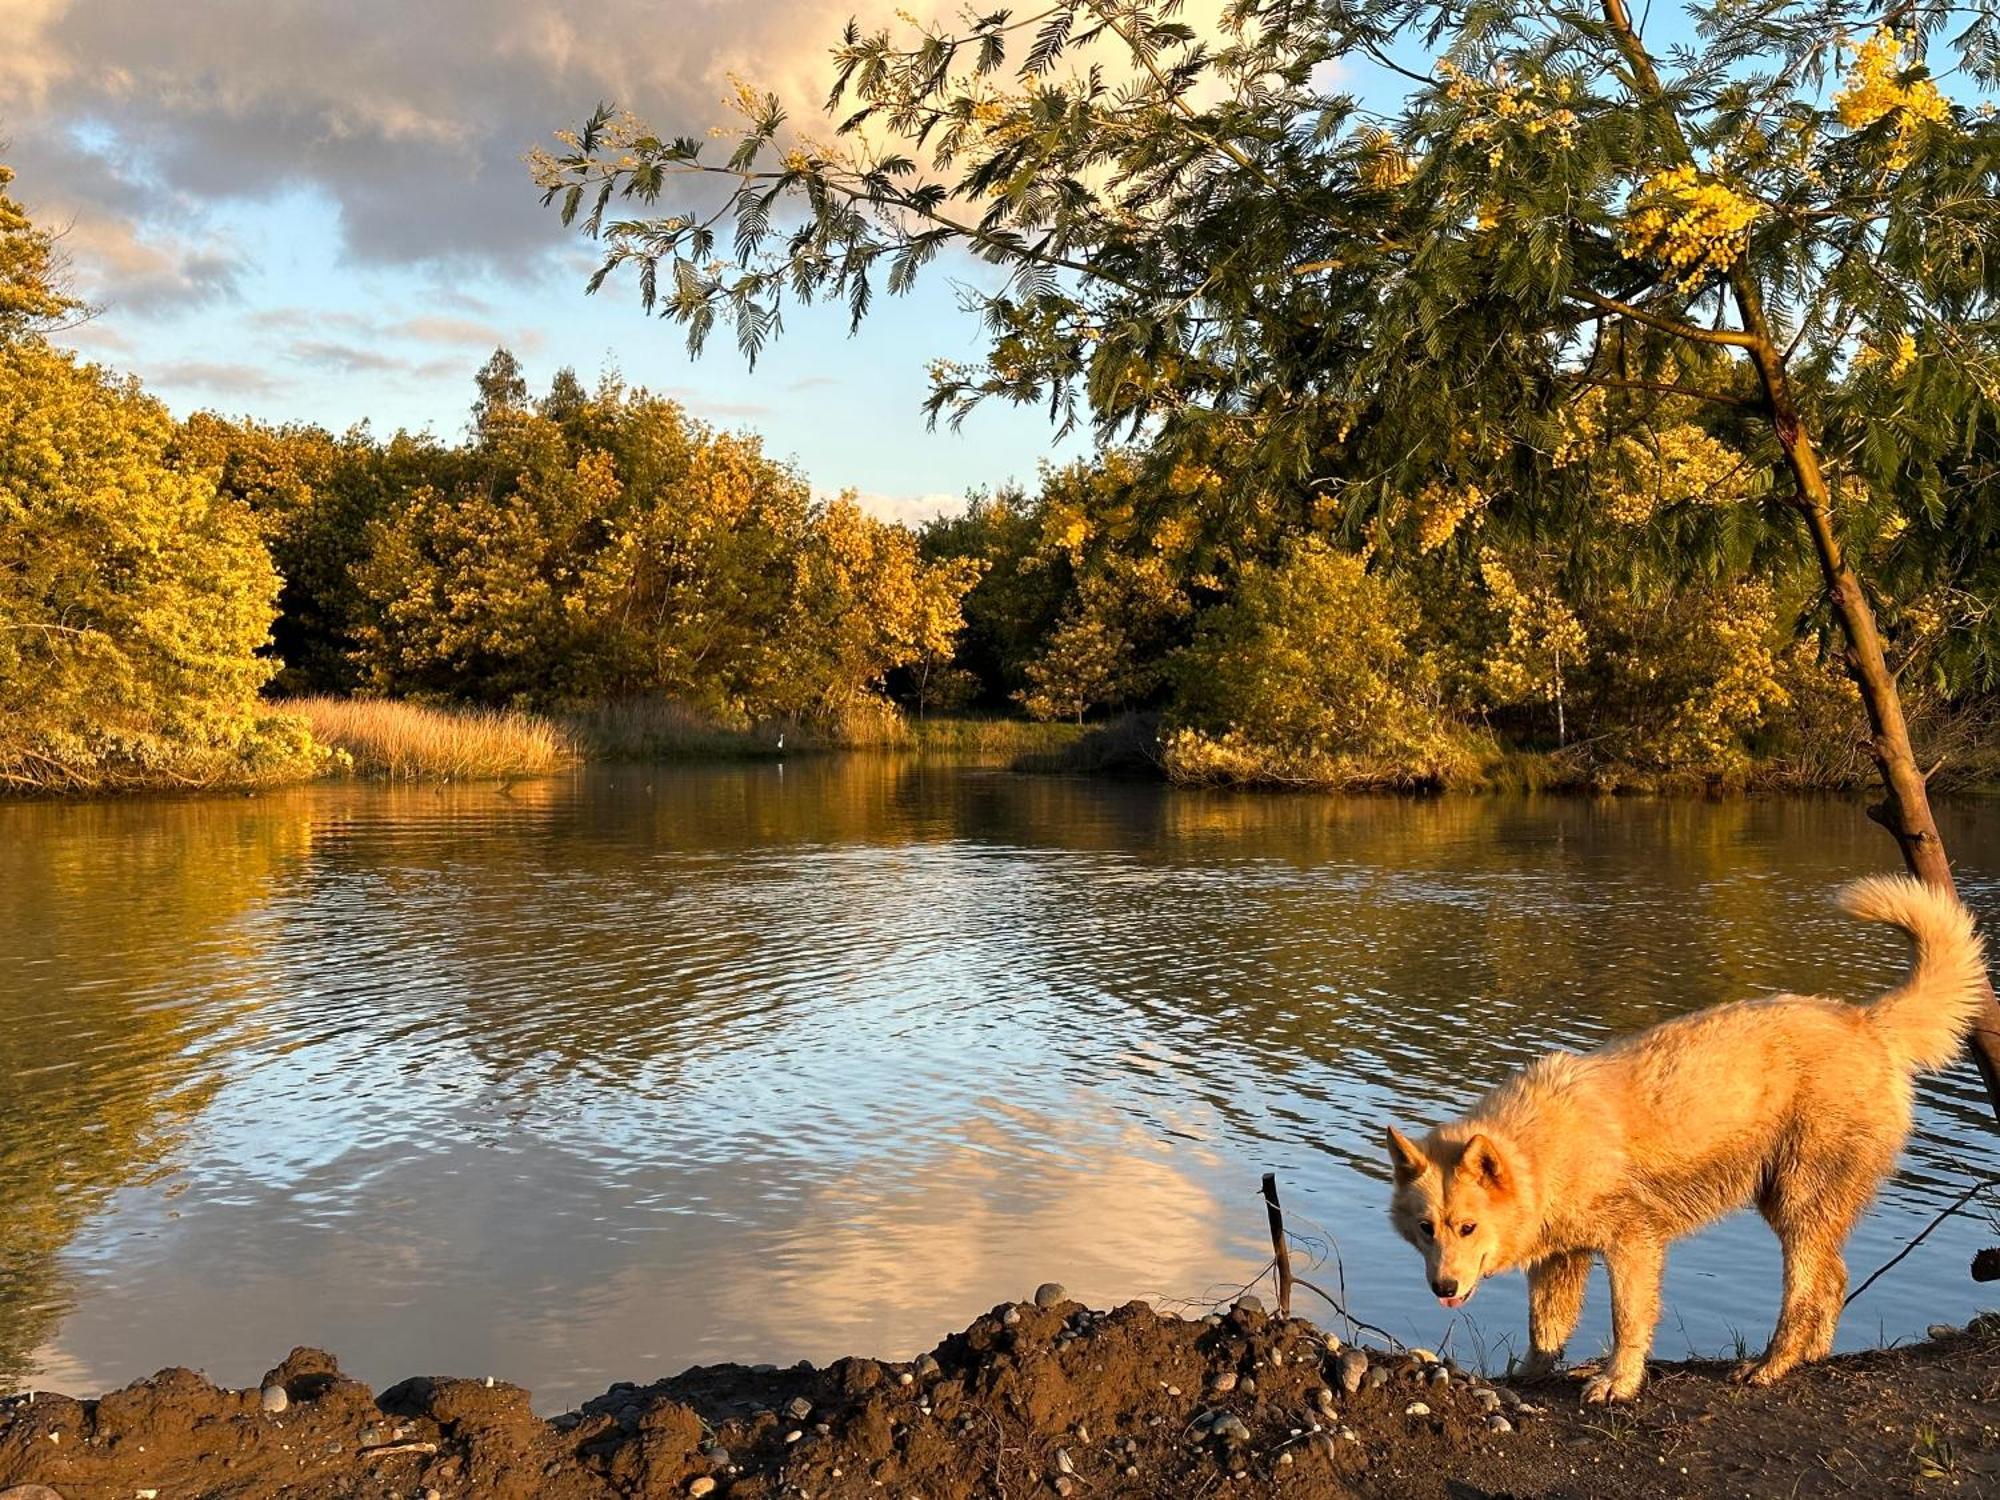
x,y
316,210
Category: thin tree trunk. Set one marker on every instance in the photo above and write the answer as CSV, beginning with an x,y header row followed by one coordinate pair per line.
x,y
1906,809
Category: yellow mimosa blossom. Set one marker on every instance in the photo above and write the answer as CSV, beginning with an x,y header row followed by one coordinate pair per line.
x,y
1692,223
1875,89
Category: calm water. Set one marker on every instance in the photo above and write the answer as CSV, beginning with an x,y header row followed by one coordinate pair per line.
x,y
602,1077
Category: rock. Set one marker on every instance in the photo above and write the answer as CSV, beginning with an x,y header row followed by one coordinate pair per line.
x,y
1049,1293
1231,1428
1487,1400
904,1377
1323,1399
927,1367
1424,1356
1011,1316
1416,1409
798,1408
273,1399
1509,1397
793,1436
1353,1366
1248,1303
1349,1435
1378,1376
1439,1375
1285,1458
1249,1386
1223,1383
701,1484
1498,1423
29,1492
1065,1485
1939,1332
1213,1320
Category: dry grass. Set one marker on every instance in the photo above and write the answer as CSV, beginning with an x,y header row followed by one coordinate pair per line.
x,y
409,742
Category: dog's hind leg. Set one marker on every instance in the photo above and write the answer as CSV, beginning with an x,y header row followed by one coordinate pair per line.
x,y
1636,1268
1812,1215
1555,1301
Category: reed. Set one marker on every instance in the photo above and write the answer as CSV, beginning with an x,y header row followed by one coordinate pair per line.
x,y
412,742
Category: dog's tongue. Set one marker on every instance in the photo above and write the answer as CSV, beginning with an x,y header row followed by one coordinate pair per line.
x,y
1451,1302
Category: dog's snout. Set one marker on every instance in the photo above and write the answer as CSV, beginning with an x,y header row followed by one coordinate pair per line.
x,y
1445,1286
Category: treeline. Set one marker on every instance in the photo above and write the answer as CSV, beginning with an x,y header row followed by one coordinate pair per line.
x,y
1661,630
577,547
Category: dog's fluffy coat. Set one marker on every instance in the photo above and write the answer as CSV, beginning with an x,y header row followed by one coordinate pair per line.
x,y
1798,1104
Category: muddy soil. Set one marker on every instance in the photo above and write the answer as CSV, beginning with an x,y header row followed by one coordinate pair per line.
x,y
1036,1400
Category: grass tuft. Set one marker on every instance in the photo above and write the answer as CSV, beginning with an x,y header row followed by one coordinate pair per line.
x,y
410,742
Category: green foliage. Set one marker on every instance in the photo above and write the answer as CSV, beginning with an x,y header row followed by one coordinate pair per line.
x,y
1308,675
133,598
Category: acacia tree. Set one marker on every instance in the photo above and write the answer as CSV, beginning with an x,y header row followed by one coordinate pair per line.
x,y
1779,220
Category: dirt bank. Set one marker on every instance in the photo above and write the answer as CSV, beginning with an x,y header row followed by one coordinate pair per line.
x,y
1038,1400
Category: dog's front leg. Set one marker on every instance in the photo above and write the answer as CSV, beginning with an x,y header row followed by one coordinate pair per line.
x,y
1555,1301
1635,1307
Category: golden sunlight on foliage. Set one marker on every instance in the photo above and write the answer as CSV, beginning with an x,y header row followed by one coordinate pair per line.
x,y
133,598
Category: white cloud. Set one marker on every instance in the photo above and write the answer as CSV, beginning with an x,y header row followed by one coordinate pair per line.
x,y
910,510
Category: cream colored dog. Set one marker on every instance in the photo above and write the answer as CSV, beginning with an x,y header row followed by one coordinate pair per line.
x,y
1796,1103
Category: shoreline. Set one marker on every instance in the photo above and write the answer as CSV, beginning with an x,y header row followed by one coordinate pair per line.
x,y
1041,1397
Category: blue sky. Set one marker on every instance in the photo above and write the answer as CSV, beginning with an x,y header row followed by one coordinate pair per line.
x,y
315,210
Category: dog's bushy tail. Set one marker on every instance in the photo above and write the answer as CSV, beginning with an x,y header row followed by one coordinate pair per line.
x,y
1924,1019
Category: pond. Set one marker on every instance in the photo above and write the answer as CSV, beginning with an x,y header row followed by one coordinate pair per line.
x,y
595,1078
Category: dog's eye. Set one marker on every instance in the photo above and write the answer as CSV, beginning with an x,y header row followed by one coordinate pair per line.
x,y
1465,1229
1428,1228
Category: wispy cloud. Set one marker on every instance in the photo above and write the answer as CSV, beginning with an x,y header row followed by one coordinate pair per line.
x,y
218,376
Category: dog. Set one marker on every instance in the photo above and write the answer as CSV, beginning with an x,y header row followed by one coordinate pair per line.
x,y
1796,1103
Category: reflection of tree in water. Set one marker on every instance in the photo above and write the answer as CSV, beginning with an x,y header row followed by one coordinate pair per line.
x,y
120,922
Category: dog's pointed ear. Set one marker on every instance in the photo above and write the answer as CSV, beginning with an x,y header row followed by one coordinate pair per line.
x,y
1409,1162
1484,1163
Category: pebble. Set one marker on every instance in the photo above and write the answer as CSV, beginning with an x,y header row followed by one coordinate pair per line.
x,y
1378,1377
927,1366
1424,1356
1416,1409
717,1456
1064,1463
1353,1365
273,1399
29,1492
1509,1397
1011,1316
1213,1320
1323,1399
1439,1375
1065,1485
1173,1390
904,1377
798,1408
1049,1293
1131,1471
1498,1423
1231,1428
1349,1435
701,1484
1285,1458
1938,1332
1223,1383
793,1436
1250,1304
1249,1386
1489,1401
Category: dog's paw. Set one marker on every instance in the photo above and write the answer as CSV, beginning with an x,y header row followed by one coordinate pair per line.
x,y
1759,1372
1607,1389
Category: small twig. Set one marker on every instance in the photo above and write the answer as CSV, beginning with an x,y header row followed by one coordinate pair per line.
x,y
1963,1198
1281,1249
1335,1305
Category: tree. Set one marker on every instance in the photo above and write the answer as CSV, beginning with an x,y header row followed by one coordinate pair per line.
x,y
502,389
31,295
1202,235
134,600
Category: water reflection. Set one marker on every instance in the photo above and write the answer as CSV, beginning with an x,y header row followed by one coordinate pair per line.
x,y
600,1076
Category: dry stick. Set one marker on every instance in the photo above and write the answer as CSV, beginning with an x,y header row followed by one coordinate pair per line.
x,y
1281,1249
1963,1198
